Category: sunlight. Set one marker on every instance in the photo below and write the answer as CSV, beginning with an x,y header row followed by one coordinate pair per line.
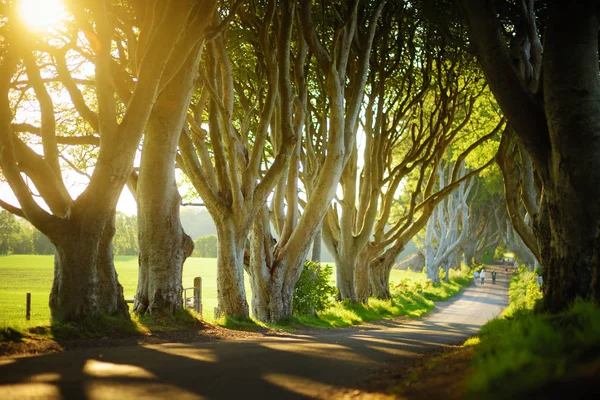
x,y
41,15
186,351
101,369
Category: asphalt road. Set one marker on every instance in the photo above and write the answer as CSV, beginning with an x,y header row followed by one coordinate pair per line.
x,y
293,367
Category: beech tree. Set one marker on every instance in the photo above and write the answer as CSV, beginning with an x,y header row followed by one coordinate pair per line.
x,y
343,63
224,162
398,79
448,227
483,229
438,120
554,110
85,282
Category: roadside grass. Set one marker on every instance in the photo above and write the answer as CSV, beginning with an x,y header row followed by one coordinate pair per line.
x,y
522,351
412,296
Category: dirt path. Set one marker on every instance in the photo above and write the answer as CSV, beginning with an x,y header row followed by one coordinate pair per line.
x,y
288,366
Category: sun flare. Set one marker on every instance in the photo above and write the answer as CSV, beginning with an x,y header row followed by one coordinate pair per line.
x,y
41,15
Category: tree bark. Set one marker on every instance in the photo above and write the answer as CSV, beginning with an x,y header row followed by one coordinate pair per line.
x,y
231,293
85,280
379,273
163,244
562,135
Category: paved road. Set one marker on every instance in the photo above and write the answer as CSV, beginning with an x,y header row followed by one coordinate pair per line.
x,y
294,367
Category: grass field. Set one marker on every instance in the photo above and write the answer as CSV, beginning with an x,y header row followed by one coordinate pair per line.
x,y
20,274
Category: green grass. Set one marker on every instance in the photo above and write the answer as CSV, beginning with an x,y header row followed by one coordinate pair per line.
x,y
522,351
20,274
412,295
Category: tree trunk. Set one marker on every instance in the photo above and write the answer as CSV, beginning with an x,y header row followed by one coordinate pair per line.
x,y
85,281
163,244
230,270
561,133
260,268
361,278
469,254
345,267
380,281
164,247
272,284
316,247
571,81
379,275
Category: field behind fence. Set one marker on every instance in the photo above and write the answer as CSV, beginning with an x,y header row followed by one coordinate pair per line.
x,y
21,274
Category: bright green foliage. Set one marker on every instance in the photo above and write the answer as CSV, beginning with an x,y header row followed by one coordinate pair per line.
x,y
524,292
529,350
125,241
413,295
15,235
314,290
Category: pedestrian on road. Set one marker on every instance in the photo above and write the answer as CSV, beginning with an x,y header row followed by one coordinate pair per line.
x,y
482,275
493,277
475,276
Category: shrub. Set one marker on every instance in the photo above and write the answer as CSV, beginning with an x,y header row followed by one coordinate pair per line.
x,y
313,291
524,292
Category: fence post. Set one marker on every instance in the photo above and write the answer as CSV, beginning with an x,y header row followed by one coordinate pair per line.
x,y
198,295
28,307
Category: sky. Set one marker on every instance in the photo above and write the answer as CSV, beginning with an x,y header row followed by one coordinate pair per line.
x,y
126,202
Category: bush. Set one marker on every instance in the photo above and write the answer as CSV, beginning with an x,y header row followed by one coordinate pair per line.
x,y
524,292
314,291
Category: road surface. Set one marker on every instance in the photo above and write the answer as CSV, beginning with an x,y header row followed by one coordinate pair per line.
x,y
288,367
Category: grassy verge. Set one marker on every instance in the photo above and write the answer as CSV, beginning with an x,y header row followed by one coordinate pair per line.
x,y
522,351
412,296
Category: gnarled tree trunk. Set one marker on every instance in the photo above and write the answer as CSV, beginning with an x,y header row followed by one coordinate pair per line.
x,y
85,281
163,244
562,135
231,293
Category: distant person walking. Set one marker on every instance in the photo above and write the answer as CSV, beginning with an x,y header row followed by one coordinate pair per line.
x,y
516,265
482,276
475,276
493,277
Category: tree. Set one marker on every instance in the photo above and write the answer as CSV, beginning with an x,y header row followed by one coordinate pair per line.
x,y
554,109
163,244
484,233
226,169
206,246
277,264
439,121
447,228
85,281
11,230
397,80
125,240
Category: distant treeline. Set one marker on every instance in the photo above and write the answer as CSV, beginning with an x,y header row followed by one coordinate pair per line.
x,y
17,236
